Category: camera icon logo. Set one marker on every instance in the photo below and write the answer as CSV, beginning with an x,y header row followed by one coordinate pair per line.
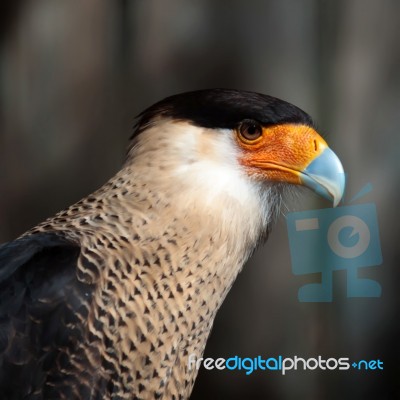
x,y
359,229
333,239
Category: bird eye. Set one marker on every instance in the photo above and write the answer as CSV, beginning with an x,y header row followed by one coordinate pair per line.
x,y
250,130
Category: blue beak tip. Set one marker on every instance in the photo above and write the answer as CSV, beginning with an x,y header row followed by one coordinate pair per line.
x,y
325,176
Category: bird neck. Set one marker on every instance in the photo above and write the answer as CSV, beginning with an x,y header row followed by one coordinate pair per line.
x,y
185,254
167,248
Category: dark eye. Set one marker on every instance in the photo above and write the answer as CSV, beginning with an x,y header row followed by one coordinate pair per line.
x,y
250,130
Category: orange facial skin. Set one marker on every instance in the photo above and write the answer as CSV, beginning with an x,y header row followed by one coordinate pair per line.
x,y
281,152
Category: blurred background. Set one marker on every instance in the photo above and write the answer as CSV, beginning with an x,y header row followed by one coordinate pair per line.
x,y
74,74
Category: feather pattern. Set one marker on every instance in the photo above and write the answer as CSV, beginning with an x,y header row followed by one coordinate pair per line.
x,y
108,298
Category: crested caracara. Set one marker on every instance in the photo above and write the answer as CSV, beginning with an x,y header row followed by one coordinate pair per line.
x,y
106,299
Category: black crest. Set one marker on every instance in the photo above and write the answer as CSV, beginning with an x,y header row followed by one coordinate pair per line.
x,y
223,108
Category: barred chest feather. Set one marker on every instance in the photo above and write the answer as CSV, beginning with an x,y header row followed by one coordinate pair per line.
x,y
157,268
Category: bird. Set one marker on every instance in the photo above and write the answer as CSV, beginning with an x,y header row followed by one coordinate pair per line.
x,y
108,298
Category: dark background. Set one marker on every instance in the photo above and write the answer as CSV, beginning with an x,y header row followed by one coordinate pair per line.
x,y
73,75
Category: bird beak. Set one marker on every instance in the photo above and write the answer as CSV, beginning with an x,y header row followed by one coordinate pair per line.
x,y
296,154
325,176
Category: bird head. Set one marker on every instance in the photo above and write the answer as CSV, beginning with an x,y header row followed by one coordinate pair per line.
x,y
236,142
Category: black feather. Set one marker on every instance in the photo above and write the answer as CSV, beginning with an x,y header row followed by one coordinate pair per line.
x,y
39,292
223,108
